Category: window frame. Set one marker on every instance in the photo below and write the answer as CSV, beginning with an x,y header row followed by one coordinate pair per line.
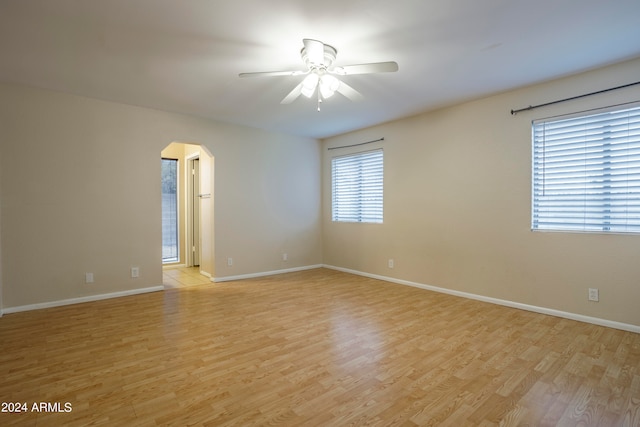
x,y
367,206
176,213
609,187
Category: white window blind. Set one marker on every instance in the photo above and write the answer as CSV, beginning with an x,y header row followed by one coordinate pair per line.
x,y
357,186
586,172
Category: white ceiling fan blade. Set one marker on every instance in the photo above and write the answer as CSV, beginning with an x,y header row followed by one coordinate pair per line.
x,y
349,92
374,67
293,95
273,73
315,51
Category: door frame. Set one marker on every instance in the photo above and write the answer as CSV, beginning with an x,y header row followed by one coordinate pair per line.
x,y
193,228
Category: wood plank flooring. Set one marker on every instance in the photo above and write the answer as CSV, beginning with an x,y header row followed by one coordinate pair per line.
x,y
183,277
314,348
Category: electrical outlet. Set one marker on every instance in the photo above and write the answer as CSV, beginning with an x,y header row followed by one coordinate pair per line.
x,y
88,277
594,294
285,257
391,263
229,262
135,272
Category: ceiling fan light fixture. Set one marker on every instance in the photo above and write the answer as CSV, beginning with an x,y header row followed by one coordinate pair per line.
x,y
309,84
328,85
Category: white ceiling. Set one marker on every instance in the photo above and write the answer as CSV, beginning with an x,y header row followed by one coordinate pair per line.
x,y
185,55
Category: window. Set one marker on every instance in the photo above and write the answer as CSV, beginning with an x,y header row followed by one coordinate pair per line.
x,y
357,187
586,172
170,211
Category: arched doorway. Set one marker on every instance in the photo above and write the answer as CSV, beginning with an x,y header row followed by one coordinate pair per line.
x,y
187,213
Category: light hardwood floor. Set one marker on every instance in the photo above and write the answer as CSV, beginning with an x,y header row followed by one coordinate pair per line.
x,y
315,348
183,277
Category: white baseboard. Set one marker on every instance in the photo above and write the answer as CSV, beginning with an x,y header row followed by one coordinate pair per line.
x,y
29,307
506,303
265,273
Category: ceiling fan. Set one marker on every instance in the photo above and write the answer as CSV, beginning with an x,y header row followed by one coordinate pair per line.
x,y
321,74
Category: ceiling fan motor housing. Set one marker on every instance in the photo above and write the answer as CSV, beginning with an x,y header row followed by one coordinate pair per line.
x,y
330,53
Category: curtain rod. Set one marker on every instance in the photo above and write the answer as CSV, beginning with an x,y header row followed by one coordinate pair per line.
x,y
355,145
531,107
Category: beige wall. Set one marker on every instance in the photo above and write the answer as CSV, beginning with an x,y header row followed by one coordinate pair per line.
x,y
81,193
267,195
457,207
1,275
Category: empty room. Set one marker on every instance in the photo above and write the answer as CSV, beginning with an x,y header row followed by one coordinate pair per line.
x,y
302,213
